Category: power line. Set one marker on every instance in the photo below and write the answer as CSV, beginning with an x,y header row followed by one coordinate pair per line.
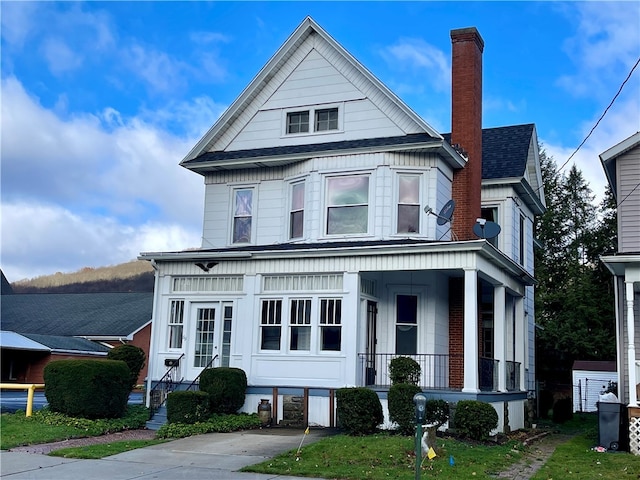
x,y
601,116
629,194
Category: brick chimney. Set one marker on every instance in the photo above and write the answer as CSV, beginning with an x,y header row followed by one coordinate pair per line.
x,y
466,127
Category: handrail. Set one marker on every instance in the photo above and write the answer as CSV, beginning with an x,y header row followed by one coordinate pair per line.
x,y
198,377
165,381
30,389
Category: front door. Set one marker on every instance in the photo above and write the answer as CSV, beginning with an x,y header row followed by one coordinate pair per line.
x,y
205,348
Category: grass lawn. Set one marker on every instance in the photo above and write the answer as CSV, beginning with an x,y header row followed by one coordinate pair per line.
x,y
384,456
102,450
576,460
45,426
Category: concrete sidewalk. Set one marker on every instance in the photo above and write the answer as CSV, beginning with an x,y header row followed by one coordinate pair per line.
x,y
215,456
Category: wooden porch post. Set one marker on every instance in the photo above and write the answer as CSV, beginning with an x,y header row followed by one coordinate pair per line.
x,y
499,335
471,331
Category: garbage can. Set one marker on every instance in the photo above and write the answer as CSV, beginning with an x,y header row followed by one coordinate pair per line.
x,y
613,430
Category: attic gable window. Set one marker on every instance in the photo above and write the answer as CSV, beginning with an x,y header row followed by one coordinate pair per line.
x,y
326,119
311,121
298,122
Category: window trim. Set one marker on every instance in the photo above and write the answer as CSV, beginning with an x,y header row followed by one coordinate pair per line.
x,y
326,206
397,203
278,323
252,230
180,324
312,109
292,211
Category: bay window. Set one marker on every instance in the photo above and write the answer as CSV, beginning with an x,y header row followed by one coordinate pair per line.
x,y
347,204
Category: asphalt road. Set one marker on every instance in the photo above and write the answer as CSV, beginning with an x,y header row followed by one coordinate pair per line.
x,y
12,400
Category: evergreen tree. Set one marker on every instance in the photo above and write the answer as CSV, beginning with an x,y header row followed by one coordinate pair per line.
x,y
574,306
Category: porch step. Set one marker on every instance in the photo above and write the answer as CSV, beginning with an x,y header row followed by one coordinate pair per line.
x,y
159,419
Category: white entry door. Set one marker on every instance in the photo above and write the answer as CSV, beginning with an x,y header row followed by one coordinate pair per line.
x,y
205,348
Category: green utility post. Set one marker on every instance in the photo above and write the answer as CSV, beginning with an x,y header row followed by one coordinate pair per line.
x,y
420,402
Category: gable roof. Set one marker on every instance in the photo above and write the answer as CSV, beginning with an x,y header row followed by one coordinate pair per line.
x,y
608,159
94,315
15,341
262,88
6,286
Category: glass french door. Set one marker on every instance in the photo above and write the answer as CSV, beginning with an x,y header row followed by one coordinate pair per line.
x,y
210,338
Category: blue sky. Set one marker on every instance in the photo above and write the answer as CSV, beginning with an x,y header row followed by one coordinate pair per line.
x,y
101,101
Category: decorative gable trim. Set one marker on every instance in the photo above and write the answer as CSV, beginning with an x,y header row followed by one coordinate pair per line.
x,y
271,75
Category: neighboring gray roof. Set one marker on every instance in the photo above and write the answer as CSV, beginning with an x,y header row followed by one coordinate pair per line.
x,y
505,151
15,341
60,343
76,314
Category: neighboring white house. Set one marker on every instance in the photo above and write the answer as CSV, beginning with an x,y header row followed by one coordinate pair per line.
x,y
590,379
331,245
622,166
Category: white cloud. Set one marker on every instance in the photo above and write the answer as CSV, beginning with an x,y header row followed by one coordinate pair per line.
x,y
93,190
59,56
416,54
39,239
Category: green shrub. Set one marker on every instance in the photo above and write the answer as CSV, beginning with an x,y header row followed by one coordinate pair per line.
x,y
562,410
404,370
87,388
226,388
359,410
475,419
216,423
133,356
401,407
436,411
187,407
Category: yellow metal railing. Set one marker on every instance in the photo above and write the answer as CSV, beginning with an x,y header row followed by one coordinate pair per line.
x,y
23,386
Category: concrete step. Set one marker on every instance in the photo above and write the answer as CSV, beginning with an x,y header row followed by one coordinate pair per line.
x,y
158,419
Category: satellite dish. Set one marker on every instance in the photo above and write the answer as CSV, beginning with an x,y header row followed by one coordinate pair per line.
x,y
486,229
446,212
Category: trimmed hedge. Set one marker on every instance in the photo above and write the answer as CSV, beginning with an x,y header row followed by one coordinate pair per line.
x,y
187,407
359,410
475,419
87,388
226,388
401,407
436,411
133,356
404,370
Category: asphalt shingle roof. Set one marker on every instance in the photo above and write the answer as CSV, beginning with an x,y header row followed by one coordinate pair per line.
x,y
57,342
504,150
311,148
76,314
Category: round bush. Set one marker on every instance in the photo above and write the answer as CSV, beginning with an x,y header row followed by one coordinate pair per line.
x,y
187,407
359,410
401,407
133,356
87,388
436,411
404,370
475,419
226,388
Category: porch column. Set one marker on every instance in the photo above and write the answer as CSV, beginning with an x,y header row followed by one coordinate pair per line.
x,y
521,338
631,347
471,372
499,336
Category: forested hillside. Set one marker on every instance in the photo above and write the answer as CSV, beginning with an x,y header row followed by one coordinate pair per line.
x,y
135,276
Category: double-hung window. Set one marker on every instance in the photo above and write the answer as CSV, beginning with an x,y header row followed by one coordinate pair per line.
x,y
347,204
176,323
271,325
300,320
312,120
490,214
330,324
242,215
408,204
296,216
406,324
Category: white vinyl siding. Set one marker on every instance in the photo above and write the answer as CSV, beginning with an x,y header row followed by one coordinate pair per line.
x,y
628,173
